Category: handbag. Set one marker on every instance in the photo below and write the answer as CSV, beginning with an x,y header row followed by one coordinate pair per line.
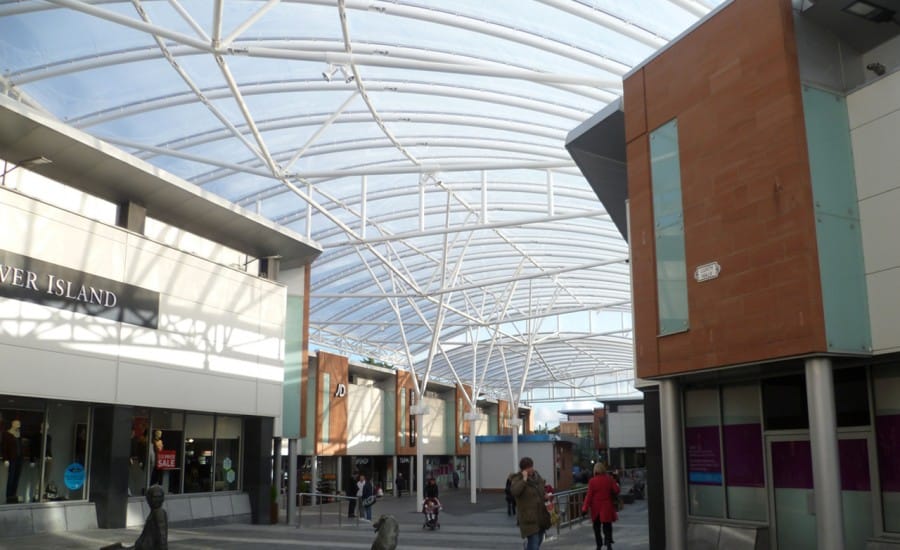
x,y
545,521
369,500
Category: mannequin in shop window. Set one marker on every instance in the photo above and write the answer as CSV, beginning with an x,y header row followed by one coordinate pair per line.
x,y
12,459
156,477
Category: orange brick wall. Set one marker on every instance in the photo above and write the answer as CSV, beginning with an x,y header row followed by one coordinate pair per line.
x,y
338,369
733,85
404,383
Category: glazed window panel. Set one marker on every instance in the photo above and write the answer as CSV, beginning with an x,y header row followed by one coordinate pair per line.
x,y
886,388
744,457
167,435
668,222
228,453
702,443
199,453
325,423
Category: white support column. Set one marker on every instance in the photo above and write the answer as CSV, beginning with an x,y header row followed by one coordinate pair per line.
x,y
673,465
472,417
292,482
419,411
515,423
314,476
824,447
396,471
339,482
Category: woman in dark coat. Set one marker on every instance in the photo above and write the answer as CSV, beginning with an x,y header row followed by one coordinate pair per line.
x,y
601,500
431,488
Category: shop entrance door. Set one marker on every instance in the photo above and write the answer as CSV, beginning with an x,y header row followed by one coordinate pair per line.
x,y
792,498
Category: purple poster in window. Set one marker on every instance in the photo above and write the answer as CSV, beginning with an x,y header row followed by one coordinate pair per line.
x,y
704,461
887,428
743,446
854,456
792,465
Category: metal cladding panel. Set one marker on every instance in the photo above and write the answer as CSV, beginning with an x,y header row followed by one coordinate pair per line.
x,y
746,191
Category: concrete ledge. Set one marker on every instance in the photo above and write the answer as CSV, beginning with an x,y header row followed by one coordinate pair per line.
x,y
31,519
187,510
883,544
723,536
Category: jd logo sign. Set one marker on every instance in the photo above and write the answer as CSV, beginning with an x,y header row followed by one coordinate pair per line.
x,y
341,390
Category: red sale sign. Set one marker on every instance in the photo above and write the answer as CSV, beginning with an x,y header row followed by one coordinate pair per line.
x,y
165,460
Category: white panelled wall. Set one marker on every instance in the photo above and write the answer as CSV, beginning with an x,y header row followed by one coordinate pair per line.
x,y
365,418
219,345
874,113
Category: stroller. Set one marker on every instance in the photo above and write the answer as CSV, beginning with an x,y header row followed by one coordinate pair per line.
x,y
431,507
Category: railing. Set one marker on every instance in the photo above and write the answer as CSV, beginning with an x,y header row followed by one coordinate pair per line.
x,y
568,505
327,504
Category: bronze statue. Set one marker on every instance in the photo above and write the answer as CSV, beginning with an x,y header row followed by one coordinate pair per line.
x,y
155,535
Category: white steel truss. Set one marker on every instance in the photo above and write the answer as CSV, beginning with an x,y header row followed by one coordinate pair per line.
x,y
420,142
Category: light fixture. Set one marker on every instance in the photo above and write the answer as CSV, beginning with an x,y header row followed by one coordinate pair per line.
x,y
869,11
328,74
348,76
333,69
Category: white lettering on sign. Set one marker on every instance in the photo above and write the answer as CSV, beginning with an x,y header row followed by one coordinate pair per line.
x,y
341,390
28,280
706,272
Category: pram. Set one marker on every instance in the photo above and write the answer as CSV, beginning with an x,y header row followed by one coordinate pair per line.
x,y
431,507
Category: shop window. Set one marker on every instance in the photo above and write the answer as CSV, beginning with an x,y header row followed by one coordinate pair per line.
x,y
199,453
784,403
886,388
703,449
851,397
139,466
44,451
742,449
228,452
166,449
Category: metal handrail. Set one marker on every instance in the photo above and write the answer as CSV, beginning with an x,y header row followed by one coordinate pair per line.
x,y
334,500
568,505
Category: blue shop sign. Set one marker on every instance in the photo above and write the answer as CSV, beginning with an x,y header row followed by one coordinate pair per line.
x,y
74,476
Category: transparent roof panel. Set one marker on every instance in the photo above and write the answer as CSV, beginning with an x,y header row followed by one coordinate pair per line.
x,y
420,141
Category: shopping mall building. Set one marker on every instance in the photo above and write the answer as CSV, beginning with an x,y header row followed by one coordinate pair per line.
x,y
154,333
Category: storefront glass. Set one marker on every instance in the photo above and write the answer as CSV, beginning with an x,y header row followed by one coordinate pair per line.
x,y
704,453
166,449
199,431
228,453
44,450
886,387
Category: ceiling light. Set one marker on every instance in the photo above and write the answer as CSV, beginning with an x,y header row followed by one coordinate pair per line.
x,y
348,76
869,11
328,74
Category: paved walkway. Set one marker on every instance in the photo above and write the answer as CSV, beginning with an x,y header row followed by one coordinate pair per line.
x,y
480,526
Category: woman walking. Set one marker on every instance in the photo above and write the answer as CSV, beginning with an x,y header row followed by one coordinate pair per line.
x,y
601,500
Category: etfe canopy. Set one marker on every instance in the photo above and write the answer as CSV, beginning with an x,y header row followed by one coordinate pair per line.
x,y
420,142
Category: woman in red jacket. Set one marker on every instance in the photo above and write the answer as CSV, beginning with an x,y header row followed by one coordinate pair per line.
x,y
601,500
